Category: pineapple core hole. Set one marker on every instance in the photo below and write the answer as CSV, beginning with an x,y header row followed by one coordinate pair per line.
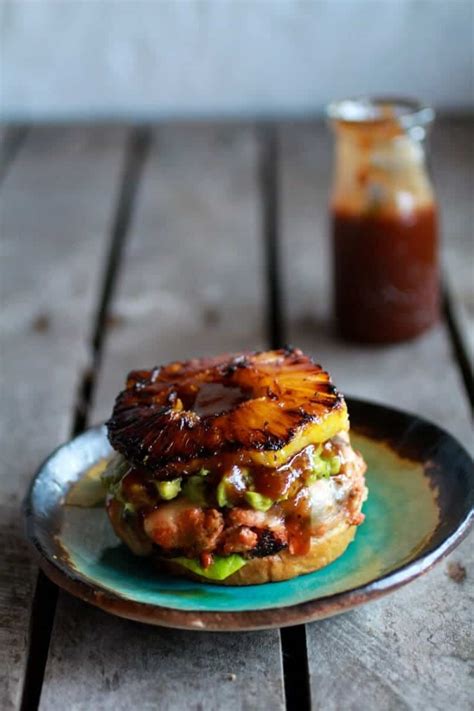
x,y
215,398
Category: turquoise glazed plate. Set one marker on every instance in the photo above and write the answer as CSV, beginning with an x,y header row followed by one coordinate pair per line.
x,y
420,505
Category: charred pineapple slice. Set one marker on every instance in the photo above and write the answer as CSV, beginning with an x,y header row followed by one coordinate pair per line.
x,y
264,405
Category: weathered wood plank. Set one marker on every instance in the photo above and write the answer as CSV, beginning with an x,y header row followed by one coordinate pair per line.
x,y
191,284
110,664
56,205
453,163
412,649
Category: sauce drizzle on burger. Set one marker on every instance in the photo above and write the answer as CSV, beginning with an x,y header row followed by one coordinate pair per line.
x,y
235,469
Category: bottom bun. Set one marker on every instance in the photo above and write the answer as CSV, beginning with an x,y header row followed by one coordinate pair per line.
x,y
283,565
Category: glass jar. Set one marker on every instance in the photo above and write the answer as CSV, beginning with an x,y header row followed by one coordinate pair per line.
x,y
384,221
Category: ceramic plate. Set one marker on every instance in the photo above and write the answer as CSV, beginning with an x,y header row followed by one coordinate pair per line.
x,y
420,505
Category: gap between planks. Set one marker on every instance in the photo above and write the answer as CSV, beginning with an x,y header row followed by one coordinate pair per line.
x,y
269,176
138,148
293,639
11,140
46,593
460,350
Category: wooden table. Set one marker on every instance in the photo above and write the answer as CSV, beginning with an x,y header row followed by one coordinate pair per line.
x,y
124,247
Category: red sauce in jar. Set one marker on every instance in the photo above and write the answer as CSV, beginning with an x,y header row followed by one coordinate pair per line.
x,y
386,285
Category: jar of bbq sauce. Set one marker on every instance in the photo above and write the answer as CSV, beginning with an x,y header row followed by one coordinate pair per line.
x,y
384,221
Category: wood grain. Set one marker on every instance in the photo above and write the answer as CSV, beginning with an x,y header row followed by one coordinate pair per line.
x,y
413,649
56,205
190,284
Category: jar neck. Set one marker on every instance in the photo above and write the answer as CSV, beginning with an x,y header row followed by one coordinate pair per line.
x,y
381,117
369,135
379,167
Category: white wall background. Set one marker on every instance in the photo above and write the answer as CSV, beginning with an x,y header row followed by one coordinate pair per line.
x,y
147,59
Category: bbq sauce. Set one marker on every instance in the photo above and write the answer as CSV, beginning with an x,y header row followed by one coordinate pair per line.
x,y
384,221
386,275
298,523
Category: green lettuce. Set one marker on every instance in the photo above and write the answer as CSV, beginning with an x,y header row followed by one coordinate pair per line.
x,y
221,568
114,472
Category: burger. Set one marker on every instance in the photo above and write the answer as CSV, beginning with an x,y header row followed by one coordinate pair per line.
x,y
235,470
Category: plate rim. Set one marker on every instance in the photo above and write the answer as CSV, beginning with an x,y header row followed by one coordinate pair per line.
x,y
245,620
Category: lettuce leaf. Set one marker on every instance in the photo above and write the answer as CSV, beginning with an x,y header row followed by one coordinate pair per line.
x,y
221,568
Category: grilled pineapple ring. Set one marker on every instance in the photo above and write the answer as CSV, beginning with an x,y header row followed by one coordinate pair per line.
x,y
265,406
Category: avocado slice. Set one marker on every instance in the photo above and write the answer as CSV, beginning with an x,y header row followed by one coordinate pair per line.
x,y
169,489
194,489
257,501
